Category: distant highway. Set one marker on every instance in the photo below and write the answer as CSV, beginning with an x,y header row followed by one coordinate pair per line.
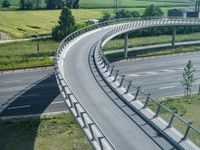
x,y
26,93
29,93
161,77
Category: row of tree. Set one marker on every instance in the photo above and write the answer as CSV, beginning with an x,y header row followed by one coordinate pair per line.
x,y
150,11
49,4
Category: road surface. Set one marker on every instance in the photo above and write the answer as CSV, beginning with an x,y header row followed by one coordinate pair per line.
x,y
161,76
117,126
28,93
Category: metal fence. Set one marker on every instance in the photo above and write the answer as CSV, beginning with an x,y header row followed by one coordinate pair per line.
x,y
94,134
137,93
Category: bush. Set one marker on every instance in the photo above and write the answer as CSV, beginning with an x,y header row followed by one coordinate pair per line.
x,y
126,14
27,4
5,4
153,11
66,25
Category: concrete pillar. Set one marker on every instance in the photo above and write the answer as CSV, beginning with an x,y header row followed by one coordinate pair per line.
x,y
174,37
126,45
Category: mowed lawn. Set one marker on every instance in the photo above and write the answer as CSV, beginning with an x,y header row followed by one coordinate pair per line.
x,y
123,3
131,3
47,133
25,54
186,108
22,24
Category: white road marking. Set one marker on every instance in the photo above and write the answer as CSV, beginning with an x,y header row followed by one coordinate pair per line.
x,y
31,95
18,107
13,81
180,68
166,70
12,89
153,73
134,75
195,83
167,87
58,102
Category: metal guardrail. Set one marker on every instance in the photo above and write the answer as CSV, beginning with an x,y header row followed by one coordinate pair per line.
x,y
94,134
128,84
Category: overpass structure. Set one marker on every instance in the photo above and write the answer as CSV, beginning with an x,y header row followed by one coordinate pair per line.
x,y
107,106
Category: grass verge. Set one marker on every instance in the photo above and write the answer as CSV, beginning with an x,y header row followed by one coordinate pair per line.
x,y
188,109
25,54
21,24
152,40
53,133
153,52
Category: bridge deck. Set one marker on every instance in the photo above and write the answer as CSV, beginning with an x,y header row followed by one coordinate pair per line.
x,y
121,131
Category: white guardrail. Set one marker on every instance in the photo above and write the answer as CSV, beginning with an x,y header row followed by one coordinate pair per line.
x,y
93,133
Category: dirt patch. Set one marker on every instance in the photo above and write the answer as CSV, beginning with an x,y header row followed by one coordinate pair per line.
x,y
4,36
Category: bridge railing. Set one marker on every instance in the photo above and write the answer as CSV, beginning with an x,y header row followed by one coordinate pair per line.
x,y
186,127
92,131
94,134
88,125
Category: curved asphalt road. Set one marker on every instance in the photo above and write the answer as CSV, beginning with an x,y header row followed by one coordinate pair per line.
x,y
123,133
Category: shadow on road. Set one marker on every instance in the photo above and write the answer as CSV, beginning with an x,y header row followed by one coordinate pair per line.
x,y
32,100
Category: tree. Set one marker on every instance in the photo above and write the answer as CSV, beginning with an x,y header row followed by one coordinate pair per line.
x,y
76,4
37,3
106,16
72,3
188,78
5,4
126,14
50,4
27,4
152,11
66,25
22,4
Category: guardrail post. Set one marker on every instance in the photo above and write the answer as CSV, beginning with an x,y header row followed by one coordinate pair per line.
x,y
70,101
136,95
147,100
75,107
171,120
122,81
111,71
81,114
116,76
107,68
91,131
100,143
129,85
158,110
199,90
187,131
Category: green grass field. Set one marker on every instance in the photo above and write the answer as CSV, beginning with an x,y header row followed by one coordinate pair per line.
x,y
47,133
21,24
124,3
130,3
188,109
114,56
25,54
144,41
